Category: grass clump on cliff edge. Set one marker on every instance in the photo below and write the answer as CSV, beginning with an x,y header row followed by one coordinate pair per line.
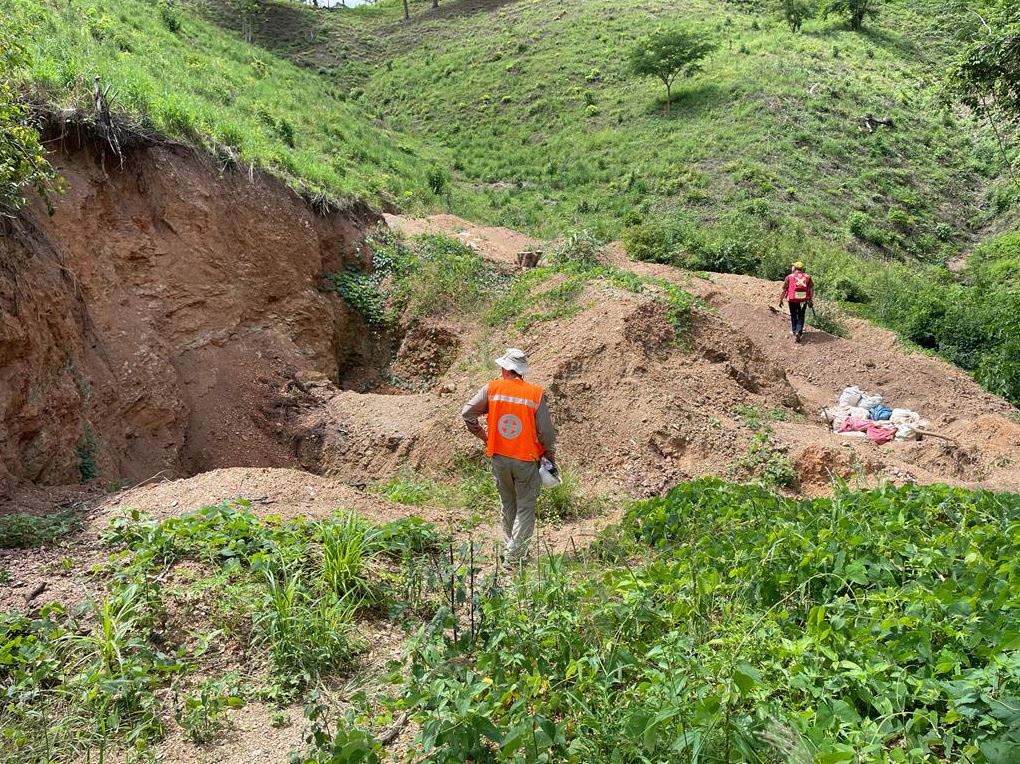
x,y
193,81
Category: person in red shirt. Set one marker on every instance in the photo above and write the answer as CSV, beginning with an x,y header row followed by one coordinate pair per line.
x,y
798,290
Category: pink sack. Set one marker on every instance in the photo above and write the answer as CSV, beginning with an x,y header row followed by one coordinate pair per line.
x,y
881,434
851,424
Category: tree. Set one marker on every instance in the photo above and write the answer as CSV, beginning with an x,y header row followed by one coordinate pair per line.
x,y
22,161
668,53
248,10
986,72
796,12
407,11
987,69
856,10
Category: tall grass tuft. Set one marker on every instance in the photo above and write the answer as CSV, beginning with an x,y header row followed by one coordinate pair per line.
x,y
308,633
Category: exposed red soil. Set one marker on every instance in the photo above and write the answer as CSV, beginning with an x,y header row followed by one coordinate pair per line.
x,y
158,312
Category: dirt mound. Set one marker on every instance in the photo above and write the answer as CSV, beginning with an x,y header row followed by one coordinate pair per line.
x,y
144,325
285,493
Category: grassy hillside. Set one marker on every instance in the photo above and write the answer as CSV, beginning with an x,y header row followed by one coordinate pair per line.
x,y
524,113
550,130
173,73
765,158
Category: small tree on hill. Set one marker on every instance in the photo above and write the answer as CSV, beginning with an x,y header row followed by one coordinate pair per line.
x,y
669,53
796,12
248,11
855,10
986,72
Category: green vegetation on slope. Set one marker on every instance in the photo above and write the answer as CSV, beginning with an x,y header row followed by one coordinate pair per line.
x,y
191,80
550,129
22,160
766,157
723,623
434,275
535,120
78,683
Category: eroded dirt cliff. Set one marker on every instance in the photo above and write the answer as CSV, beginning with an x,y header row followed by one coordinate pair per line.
x,y
149,324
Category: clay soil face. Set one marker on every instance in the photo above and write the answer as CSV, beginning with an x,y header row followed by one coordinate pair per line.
x,y
147,327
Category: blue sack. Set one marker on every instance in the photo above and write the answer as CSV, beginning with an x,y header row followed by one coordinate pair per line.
x,y
880,413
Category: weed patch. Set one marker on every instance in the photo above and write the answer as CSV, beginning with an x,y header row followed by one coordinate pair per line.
x,y
763,462
19,530
80,683
743,626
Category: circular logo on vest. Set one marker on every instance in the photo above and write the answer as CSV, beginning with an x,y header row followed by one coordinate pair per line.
x,y
509,426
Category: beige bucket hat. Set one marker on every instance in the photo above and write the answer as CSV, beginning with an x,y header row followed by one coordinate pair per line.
x,y
513,360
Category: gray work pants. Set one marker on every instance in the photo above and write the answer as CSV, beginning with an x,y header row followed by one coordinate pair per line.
x,y
518,484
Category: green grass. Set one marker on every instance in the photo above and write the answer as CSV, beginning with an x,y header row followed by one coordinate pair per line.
x,y
473,490
206,86
771,130
80,683
724,623
20,530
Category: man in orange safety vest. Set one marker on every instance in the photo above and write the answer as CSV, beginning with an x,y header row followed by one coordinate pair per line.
x,y
518,434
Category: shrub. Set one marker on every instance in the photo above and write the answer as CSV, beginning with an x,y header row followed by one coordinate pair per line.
x,y
168,15
581,249
845,289
823,317
796,12
858,223
648,242
440,275
438,179
765,463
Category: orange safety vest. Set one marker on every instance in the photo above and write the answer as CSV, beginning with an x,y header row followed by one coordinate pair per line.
x,y
511,419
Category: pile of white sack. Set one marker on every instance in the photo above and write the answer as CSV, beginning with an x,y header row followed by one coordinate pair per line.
x,y
865,415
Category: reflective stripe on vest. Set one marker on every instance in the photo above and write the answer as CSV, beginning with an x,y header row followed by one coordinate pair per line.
x,y
511,419
798,287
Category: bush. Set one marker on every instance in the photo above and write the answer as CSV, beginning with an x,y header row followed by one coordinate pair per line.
x,y
581,249
648,243
763,462
845,289
823,317
858,223
168,15
440,275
